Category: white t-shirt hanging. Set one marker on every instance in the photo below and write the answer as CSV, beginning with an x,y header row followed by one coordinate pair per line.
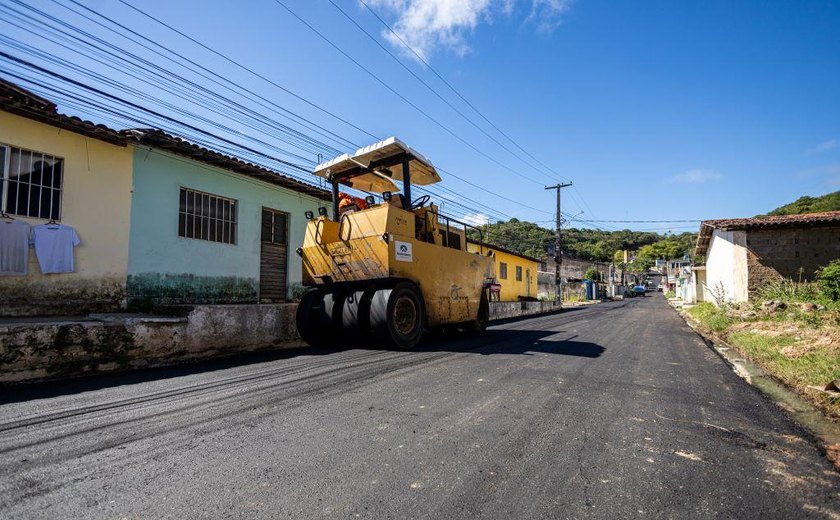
x,y
54,245
14,247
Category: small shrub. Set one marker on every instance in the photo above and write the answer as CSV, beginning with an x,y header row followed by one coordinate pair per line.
x,y
592,274
828,279
788,291
670,294
719,294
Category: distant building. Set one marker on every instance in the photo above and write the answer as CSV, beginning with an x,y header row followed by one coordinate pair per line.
x,y
517,274
159,220
572,273
743,254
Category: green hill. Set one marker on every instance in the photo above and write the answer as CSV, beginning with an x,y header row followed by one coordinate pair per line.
x,y
828,202
590,244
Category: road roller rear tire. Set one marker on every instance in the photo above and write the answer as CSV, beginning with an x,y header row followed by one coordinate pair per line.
x,y
355,315
398,316
316,317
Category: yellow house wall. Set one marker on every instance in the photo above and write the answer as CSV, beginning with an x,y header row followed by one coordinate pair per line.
x,y
511,288
96,201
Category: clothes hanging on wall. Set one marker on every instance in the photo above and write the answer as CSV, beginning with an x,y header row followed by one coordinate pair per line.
x,y
54,245
15,236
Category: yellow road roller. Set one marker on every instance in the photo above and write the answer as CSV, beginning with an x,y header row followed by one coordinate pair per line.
x,y
384,272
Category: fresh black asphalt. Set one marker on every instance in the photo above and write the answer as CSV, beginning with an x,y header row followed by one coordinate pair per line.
x,y
611,411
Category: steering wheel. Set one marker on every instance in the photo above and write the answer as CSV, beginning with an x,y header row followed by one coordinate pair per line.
x,y
419,202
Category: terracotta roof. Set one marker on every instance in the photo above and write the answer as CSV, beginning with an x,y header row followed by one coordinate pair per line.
x,y
159,139
707,227
19,101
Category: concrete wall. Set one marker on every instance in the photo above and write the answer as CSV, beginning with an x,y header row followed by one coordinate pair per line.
x,y
38,350
726,267
166,268
502,310
794,253
59,349
96,201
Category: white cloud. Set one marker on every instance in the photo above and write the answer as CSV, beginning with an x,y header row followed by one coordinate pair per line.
x,y
430,25
547,14
831,144
697,176
476,219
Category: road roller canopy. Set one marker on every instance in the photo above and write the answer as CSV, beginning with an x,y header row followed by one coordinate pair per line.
x,y
375,167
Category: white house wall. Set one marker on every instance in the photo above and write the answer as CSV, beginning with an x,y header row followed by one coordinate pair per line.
x,y
726,267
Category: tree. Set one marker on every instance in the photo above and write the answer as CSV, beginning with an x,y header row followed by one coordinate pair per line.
x,y
530,239
827,202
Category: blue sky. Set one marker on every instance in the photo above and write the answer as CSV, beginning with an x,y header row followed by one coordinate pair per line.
x,y
655,110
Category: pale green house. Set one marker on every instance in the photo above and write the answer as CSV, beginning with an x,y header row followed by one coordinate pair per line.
x,y
208,228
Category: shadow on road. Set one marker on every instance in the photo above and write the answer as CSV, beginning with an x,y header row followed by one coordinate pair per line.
x,y
494,341
513,342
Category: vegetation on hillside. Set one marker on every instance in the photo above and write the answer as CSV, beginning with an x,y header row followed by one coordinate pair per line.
x,y
827,202
589,244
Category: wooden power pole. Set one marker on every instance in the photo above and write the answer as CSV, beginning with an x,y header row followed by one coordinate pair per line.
x,y
558,243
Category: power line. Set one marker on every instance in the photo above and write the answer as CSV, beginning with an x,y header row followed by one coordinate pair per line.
x,y
453,89
235,151
123,64
403,98
138,107
228,84
425,84
239,65
256,74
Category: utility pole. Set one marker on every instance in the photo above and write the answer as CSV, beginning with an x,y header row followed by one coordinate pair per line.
x,y
558,243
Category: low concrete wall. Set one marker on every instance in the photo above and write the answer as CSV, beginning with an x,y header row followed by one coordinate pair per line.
x,y
54,349
50,348
503,310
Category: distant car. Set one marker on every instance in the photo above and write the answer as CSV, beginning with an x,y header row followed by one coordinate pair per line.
x,y
639,290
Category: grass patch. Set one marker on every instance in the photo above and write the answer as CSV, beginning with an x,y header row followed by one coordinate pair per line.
x,y
801,371
799,343
712,317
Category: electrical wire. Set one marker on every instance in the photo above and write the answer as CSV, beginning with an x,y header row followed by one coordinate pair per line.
x,y
402,97
484,208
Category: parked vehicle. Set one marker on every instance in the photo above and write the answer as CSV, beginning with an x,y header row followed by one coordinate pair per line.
x,y
639,290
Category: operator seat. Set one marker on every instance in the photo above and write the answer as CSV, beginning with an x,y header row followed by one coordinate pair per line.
x,y
398,200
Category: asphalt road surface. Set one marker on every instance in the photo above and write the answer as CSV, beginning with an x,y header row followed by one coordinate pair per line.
x,y
613,411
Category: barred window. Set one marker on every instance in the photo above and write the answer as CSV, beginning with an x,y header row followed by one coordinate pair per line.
x,y
206,217
502,271
30,183
518,273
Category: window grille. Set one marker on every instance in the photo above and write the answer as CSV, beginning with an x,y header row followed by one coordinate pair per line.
x,y
30,183
204,216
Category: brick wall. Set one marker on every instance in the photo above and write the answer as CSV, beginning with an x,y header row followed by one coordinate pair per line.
x,y
782,253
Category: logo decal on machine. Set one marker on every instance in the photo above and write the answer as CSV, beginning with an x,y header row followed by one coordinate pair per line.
x,y
402,251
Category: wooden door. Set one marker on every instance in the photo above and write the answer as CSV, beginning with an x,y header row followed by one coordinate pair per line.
x,y
273,259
